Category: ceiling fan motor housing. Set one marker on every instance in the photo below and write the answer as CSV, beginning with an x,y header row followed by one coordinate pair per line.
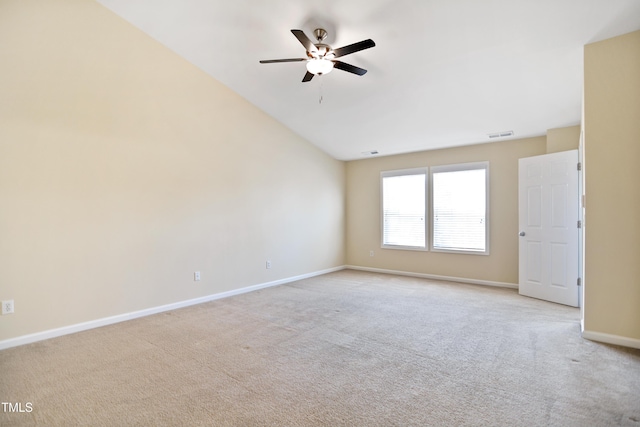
x,y
324,52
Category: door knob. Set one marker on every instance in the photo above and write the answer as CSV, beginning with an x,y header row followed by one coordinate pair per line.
x,y
522,233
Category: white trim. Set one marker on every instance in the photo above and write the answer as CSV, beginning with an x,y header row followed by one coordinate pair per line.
x,y
436,277
66,330
611,339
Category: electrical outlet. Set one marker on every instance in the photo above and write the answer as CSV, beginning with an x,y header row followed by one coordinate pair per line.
x,y
370,253
7,307
196,276
268,265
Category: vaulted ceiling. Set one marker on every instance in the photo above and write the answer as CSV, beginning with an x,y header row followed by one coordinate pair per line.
x,y
443,73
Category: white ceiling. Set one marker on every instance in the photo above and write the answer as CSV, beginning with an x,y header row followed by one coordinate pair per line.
x,y
443,73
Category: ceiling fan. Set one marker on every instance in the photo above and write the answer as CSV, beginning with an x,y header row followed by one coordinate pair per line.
x,y
321,58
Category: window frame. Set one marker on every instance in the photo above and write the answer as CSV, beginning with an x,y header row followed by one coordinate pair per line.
x,y
458,168
402,172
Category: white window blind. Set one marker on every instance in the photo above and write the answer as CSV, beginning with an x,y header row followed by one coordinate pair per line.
x,y
460,213
404,222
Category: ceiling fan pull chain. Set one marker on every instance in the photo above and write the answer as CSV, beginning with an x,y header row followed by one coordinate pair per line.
x,y
321,86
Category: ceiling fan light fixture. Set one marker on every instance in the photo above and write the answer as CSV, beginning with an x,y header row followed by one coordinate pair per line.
x,y
319,66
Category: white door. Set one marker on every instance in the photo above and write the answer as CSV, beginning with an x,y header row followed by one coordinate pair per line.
x,y
548,200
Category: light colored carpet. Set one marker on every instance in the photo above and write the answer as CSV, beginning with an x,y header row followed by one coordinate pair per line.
x,y
345,349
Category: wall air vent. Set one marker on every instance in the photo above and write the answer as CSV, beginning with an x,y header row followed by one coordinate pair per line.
x,y
501,134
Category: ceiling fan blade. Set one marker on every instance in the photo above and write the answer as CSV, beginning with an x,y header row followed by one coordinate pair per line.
x,y
349,68
302,38
271,61
356,47
307,77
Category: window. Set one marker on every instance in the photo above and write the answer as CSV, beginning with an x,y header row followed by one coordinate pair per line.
x,y
460,217
404,201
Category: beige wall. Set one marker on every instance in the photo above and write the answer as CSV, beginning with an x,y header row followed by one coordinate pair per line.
x,y
563,139
612,177
124,169
363,213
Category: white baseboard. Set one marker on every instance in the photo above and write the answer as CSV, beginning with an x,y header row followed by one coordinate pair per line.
x,y
66,330
611,339
436,277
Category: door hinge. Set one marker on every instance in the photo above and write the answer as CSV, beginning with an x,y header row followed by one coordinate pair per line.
x,y
579,166
579,224
579,281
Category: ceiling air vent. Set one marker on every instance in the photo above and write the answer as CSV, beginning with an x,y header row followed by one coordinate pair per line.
x,y
501,134
370,153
